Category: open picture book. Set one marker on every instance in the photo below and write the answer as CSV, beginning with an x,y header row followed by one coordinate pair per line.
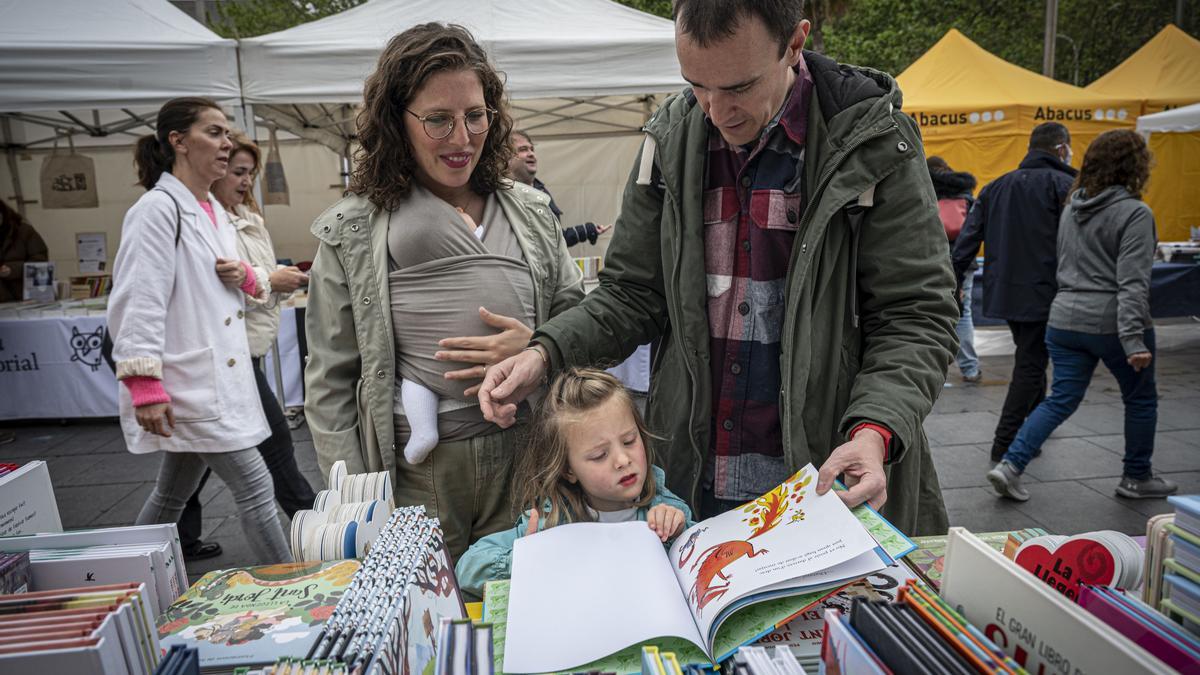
x,y
584,591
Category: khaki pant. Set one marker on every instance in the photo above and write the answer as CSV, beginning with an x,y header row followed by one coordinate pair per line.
x,y
465,484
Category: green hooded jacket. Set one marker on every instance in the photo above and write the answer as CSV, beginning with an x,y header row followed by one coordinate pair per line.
x,y
350,376
869,312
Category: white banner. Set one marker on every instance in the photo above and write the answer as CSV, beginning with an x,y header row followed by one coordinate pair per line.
x,y
52,367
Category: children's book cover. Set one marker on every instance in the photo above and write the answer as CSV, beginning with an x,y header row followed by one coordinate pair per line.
x,y
929,559
256,615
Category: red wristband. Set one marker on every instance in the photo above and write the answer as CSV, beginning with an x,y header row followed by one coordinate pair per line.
x,y
882,431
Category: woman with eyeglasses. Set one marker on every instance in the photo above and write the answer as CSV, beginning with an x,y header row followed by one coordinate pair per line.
x,y
432,243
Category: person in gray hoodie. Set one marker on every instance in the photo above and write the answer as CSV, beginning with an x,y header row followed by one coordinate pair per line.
x,y
1101,312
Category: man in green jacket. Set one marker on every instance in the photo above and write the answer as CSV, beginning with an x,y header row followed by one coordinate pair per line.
x,y
780,234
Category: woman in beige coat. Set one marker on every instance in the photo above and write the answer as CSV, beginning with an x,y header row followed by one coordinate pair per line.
x,y
434,146
274,283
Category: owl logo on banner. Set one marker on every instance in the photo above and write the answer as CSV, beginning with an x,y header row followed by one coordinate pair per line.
x,y
86,347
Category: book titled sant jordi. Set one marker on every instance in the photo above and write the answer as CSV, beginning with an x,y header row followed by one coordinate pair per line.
x,y
790,542
252,616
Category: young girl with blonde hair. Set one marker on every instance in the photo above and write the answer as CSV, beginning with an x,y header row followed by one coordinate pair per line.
x,y
588,459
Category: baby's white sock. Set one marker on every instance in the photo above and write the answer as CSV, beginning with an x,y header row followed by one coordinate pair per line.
x,y
421,407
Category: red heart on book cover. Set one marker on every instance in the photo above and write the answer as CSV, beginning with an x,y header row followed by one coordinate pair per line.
x,y
1075,562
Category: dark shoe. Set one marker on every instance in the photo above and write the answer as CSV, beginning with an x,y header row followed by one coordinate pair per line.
x,y
1149,488
202,550
1007,481
973,379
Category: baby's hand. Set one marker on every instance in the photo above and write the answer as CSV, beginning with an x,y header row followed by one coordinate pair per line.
x,y
666,521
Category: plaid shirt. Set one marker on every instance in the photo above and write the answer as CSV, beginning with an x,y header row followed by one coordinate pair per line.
x,y
752,206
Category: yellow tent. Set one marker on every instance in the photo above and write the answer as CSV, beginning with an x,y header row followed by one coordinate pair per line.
x,y
976,110
1164,73
1173,191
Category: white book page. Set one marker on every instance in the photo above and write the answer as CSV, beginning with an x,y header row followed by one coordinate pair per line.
x,y
583,591
789,532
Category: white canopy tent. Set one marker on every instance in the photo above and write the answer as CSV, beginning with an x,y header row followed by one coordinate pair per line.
x,y
596,61
1176,120
64,55
98,70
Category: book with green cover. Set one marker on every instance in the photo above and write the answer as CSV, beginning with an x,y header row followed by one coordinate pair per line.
x,y
741,627
251,616
929,557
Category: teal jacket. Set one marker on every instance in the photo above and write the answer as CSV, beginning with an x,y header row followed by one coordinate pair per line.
x,y
490,558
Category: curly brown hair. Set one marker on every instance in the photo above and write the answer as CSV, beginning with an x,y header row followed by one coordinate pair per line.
x,y
384,162
1118,157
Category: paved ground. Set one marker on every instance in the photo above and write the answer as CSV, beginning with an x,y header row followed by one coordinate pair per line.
x,y
98,483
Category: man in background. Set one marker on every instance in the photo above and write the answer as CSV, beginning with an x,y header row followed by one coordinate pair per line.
x,y
523,168
1016,218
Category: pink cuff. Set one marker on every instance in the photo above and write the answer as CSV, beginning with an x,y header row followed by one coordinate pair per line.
x,y
250,285
146,390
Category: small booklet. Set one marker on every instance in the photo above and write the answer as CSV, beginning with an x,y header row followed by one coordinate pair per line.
x,y
628,588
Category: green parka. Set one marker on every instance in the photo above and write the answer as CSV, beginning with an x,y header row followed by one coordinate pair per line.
x,y
351,371
869,313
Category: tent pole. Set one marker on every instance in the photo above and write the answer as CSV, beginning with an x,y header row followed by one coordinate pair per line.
x,y
10,152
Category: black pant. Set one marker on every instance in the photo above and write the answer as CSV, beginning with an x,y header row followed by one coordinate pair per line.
x,y
292,490
1028,385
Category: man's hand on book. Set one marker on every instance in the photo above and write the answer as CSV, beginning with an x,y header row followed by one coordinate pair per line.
x,y
860,462
666,521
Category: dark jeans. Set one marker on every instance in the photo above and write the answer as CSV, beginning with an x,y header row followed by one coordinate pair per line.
x,y
1075,356
291,488
1028,386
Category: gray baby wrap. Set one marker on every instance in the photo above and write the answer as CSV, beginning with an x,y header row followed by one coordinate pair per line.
x,y
440,274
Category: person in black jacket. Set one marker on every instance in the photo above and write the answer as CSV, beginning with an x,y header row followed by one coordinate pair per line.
x,y
523,169
1016,218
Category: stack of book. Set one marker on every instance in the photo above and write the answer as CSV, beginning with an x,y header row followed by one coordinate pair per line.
x,y
14,572
8,467
254,616
1032,620
919,633
723,583
179,661
1158,549
463,648
929,559
387,620
752,660
1181,571
144,554
345,519
27,503
804,634
1163,638
101,630
90,286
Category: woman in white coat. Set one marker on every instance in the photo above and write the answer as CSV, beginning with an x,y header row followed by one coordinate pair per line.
x,y
177,317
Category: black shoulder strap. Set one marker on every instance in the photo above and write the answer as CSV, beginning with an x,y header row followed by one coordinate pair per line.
x,y
178,214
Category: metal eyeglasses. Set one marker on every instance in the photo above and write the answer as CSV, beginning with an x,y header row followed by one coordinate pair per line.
x,y
439,125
